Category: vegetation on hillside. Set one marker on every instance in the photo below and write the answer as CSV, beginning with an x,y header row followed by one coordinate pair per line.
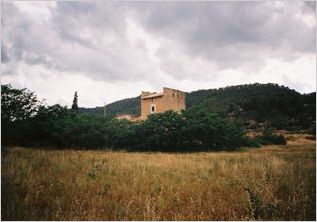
x,y
251,104
192,130
28,122
277,183
124,106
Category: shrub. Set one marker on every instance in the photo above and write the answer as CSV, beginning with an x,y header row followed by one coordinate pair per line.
x,y
268,138
192,130
252,142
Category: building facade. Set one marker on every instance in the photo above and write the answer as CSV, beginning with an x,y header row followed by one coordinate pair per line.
x,y
153,102
169,99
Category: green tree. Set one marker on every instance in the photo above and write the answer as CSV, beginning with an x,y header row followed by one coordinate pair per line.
x,y
17,104
75,102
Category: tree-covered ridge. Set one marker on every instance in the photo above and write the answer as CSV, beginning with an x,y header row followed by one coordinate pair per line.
x,y
283,107
28,122
124,106
130,105
259,103
244,94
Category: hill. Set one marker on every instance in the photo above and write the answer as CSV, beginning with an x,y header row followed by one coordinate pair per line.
x,y
253,104
124,106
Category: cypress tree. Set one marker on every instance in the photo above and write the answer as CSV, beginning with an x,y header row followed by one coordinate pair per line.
x,y
75,102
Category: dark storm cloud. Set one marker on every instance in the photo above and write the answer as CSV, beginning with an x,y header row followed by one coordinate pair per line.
x,y
92,38
58,43
72,17
310,7
230,32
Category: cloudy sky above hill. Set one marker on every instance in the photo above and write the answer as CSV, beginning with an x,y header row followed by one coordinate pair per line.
x,y
112,50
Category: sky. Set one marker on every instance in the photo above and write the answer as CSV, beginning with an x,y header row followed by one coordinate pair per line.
x,y
107,51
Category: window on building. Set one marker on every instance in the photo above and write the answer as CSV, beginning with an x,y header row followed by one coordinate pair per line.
x,y
152,109
152,100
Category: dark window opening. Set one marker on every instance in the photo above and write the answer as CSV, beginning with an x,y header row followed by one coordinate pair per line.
x,y
152,109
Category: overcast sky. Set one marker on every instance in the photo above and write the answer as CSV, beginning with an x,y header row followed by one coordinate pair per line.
x,y
114,50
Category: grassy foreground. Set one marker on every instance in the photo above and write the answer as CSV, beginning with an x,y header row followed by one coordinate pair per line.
x,y
268,183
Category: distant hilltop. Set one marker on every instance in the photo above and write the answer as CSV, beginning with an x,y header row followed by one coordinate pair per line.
x,y
257,102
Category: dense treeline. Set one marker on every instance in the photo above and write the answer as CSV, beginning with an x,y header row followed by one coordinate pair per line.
x,y
256,104
252,104
26,121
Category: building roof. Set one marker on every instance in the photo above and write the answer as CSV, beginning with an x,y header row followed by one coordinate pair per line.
x,y
152,95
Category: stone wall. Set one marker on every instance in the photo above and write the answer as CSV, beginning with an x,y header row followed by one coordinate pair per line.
x,y
170,99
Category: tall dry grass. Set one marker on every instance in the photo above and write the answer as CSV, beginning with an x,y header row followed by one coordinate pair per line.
x,y
271,183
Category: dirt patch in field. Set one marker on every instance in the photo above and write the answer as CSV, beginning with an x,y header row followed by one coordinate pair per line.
x,y
292,138
299,139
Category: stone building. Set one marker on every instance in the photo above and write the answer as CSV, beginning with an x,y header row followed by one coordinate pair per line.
x,y
169,99
153,102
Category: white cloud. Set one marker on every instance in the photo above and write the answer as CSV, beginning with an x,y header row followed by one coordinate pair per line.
x,y
60,87
112,50
40,11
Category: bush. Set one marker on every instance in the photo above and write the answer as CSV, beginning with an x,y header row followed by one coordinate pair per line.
x,y
192,130
272,139
26,122
252,142
267,138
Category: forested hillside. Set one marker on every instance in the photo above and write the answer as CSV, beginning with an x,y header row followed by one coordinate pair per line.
x,y
124,106
218,122
252,103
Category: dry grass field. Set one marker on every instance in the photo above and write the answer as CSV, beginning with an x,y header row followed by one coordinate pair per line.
x,y
268,183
